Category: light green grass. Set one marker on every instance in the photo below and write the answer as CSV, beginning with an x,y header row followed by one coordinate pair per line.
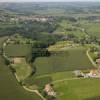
x,y
59,75
64,25
82,89
92,28
23,70
62,75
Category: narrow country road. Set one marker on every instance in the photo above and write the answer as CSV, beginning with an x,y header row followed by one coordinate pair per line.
x,y
57,81
87,52
35,91
93,63
29,90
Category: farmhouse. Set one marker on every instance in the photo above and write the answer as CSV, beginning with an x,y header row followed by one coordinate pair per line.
x,y
16,60
98,60
49,90
94,73
78,73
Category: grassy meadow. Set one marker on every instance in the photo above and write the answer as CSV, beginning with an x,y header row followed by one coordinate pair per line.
x,y
69,60
18,50
92,28
82,89
23,70
68,27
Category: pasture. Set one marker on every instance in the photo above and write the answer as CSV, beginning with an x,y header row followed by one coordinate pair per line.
x,y
67,27
69,60
79,89
23,70
38,82
59,75
92,28
17,50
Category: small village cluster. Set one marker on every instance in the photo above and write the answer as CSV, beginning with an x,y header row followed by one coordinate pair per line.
x,y
32,18
27,18
93,73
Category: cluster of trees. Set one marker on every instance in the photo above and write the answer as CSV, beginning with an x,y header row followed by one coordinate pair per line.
x,y
83,40
40,31
95,50
36,30
8,30
38,50
38,26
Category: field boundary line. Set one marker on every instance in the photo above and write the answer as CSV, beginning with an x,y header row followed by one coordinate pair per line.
x,y
35,91
29,90
57,81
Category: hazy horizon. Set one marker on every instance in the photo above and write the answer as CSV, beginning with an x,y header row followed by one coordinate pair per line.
x,y
49,0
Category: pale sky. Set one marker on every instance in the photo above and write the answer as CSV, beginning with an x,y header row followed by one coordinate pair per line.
x,y
45,0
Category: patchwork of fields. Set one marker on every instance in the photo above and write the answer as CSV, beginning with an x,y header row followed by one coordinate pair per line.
x,y
67,27
57,68
9,87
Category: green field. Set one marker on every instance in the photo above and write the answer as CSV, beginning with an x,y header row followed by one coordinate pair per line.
x,y
40,81
59,75
82,89
92,28
69,60
62,75
23,70
18,50
9,87
67,27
